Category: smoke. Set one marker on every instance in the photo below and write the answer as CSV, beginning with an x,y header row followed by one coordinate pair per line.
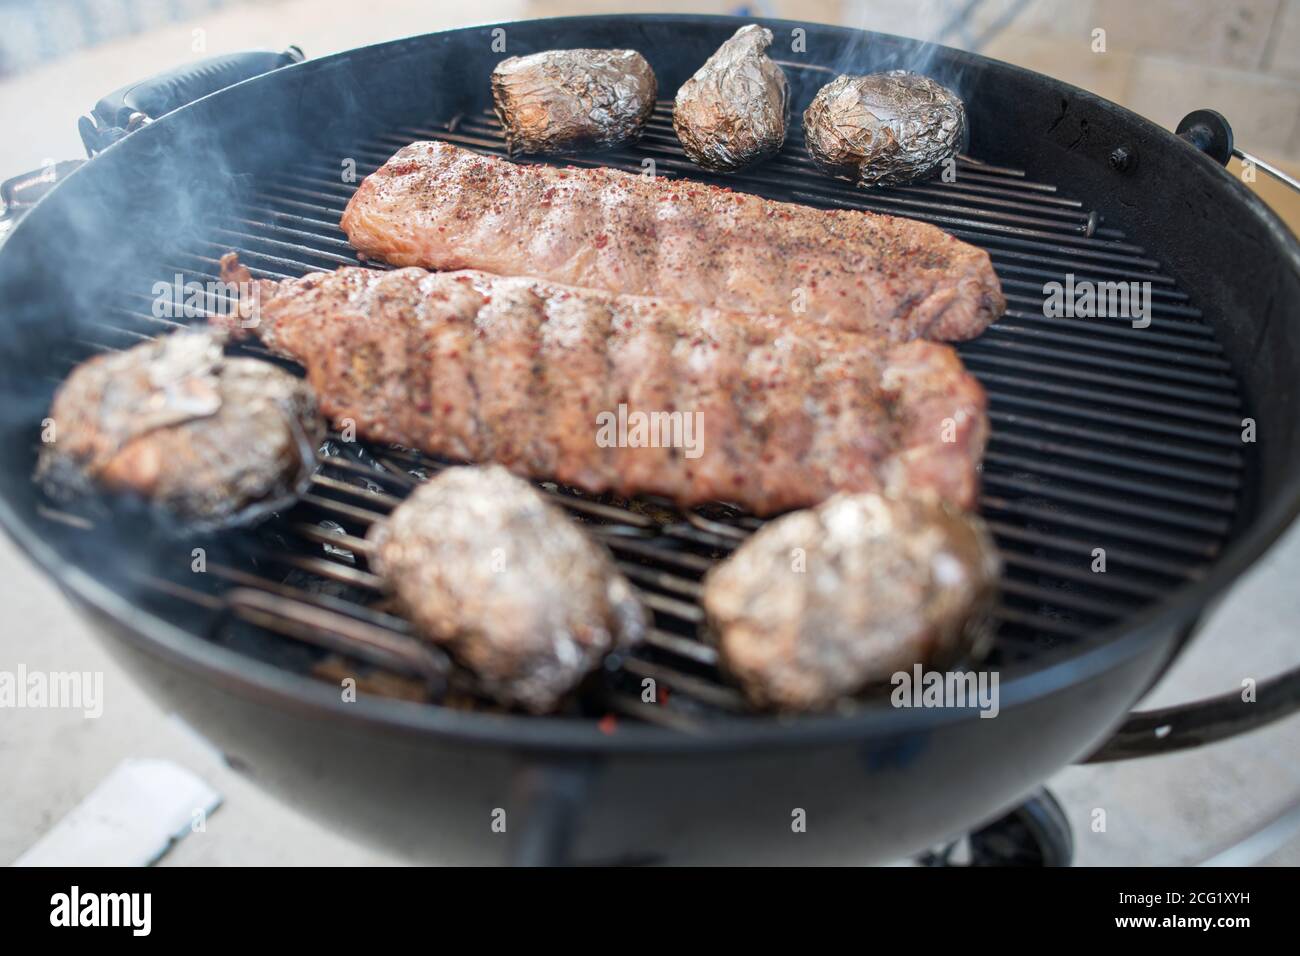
x,y
77,277
79,273
917,37
83,271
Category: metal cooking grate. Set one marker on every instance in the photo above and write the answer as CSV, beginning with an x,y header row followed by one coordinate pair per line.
x,y
1104,436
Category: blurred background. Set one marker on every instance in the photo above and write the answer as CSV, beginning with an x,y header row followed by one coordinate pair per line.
x,y
1161,58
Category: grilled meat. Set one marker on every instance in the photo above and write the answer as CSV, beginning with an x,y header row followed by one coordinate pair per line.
x,y
563,100
764,411
211,439
822,603
442,207
734,110
483,565
885,128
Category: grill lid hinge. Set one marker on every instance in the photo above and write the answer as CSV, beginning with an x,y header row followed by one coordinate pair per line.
x,y
1209,132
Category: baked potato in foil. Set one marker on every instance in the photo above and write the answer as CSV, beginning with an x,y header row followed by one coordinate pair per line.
x,y
884,128
734,110
213,441
889,583
562,100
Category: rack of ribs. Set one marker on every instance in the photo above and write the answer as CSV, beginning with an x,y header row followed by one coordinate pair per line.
x,y
439,206
530,374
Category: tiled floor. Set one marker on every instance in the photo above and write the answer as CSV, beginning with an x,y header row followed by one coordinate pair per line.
x,y
1171,810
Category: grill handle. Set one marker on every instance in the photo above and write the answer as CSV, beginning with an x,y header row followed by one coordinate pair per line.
x,y
1149,733
129,108
1209,132
20,193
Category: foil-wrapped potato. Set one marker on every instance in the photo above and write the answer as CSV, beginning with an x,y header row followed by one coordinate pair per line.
x,y
562,100
825,602
519,594
211,440
734,110
885,128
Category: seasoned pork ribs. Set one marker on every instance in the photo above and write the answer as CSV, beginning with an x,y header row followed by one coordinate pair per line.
x,y
625,394
443,207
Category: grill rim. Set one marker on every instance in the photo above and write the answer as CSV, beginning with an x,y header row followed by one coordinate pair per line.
x,y
1109,649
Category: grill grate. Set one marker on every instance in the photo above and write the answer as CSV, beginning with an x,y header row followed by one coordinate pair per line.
x,y
1104,436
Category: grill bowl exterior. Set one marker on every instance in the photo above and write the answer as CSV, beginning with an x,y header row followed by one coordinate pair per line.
x,y
876,784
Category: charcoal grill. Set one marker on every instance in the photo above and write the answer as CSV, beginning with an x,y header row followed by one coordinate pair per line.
x,y
1104,436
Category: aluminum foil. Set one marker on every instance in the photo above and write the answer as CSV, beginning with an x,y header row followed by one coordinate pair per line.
x,y
489,570
886,583
211,440
734,110
562,100
885,128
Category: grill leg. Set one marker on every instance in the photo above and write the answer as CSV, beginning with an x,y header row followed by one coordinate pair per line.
x,y
1036,833
547,802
